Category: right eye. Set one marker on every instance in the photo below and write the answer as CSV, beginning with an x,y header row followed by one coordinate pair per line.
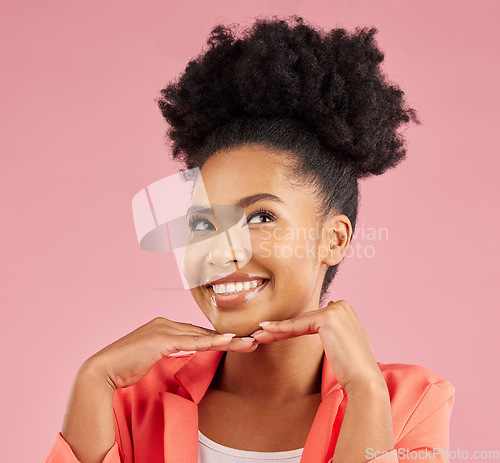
x,y
195,220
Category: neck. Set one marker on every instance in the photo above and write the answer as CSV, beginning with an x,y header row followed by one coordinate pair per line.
x,y
274,372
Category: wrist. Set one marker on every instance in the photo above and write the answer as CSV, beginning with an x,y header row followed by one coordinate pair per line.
x,y
92,373
370,386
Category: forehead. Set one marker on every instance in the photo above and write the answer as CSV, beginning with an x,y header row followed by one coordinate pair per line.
x,y
238,172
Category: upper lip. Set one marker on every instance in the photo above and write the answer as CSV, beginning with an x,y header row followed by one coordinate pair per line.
x,y
236,276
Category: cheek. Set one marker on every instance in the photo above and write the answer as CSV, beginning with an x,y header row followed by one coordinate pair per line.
x,y
285,244
293,263
300,262
262,243
191,263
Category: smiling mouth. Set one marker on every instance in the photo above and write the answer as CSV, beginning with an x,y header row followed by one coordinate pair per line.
x,y
237,287
230,295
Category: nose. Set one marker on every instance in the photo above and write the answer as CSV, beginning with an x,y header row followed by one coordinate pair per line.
x,y
225,253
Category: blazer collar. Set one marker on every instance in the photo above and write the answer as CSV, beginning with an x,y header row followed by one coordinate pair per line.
x,y
194,378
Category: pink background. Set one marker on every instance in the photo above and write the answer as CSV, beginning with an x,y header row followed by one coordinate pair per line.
x,y
81,134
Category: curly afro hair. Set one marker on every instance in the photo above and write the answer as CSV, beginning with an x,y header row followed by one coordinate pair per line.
x,y
318,95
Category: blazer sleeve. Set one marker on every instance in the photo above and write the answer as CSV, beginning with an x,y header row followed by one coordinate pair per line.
x,y
61,452
426,434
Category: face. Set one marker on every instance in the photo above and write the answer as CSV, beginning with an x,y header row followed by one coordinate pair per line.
x,y
289,246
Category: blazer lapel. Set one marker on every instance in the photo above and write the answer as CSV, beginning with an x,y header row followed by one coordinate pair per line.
x,y
180,409
319,446
180,432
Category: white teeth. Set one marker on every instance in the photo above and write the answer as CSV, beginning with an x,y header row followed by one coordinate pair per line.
x,y
232,288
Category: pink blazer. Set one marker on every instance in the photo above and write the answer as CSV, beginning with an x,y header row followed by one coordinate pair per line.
x,y
156,419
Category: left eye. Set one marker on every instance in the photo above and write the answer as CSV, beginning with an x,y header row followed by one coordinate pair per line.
x,y
261,214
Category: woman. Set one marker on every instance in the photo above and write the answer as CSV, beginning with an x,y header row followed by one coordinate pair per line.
x,y
282,122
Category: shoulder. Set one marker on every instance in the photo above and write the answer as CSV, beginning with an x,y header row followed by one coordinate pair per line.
x,y
416,393
413,380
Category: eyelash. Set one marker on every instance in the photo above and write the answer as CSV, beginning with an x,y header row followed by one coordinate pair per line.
x,y
193,221
263,212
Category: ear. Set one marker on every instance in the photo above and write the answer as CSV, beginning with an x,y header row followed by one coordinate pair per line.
x,y
336,235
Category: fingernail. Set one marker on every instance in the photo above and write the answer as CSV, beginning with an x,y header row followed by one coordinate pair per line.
x,y
247,338
229,335
256,332
264,323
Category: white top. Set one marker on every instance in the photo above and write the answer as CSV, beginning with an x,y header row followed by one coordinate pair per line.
x,y
212,452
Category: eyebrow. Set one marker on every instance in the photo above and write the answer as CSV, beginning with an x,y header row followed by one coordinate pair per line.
x,y
243,202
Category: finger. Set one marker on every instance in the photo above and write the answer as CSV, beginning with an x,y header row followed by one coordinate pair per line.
x,y
185,328
189,327
301,325
279,334
346,306
237,345
200,329
268,336
198,342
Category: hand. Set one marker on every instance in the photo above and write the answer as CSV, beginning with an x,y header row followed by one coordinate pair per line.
x,y
130,358
346,344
